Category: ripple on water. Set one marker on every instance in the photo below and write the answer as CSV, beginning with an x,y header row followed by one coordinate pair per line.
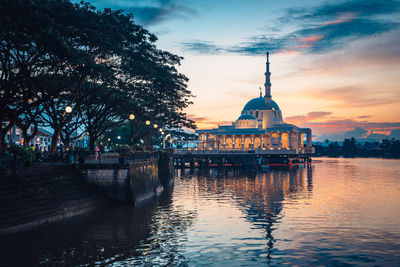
x,y
334,212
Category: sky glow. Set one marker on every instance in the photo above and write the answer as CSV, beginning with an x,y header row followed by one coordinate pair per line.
x,y
335,64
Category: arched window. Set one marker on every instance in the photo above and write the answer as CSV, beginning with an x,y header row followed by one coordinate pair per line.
x,y
238,143
285,140
247,143
257,143
275,140
303,137
228,143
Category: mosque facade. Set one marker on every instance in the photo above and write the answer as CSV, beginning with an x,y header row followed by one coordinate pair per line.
x,y
259,127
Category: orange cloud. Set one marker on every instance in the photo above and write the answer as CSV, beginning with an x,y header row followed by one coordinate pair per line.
x,y
203,122
345,17
350,96
300,119
309,41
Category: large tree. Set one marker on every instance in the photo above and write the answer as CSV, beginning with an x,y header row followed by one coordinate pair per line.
x,y
56,54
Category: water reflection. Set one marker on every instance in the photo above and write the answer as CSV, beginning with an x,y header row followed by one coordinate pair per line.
x,y
336,212
110,236
259,197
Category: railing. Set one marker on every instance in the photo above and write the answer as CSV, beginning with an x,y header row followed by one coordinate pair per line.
x,y
302,150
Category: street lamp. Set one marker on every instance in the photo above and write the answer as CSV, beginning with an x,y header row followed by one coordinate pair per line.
x,y
155,126
119,137
68,109
165,138
131,118
147,122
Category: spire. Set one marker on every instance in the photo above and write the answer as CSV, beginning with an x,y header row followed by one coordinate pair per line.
x,y
267,79
260,91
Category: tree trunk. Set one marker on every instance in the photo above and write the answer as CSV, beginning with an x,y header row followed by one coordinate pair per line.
x,y
91,143
54,139
27,137
2,143
66,140
3,132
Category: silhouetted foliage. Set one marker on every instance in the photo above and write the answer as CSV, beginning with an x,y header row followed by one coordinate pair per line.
x,y
387,148
55,54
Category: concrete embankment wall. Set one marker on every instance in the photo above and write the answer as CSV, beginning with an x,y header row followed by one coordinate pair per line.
x,y
32,197
130,183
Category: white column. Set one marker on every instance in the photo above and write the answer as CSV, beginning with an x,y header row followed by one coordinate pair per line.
x,y
280,139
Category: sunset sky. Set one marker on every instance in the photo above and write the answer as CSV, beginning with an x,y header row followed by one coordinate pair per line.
x,y
335,64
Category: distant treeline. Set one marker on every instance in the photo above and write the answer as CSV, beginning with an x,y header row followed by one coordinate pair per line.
x,y
387,148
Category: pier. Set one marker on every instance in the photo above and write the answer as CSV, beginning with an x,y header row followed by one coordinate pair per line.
x,y
241,158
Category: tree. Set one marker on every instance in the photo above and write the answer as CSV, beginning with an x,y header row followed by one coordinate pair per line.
x,y
349,147
56,54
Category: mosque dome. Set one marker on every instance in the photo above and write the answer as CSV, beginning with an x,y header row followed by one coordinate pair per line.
x,y
246,117
259,103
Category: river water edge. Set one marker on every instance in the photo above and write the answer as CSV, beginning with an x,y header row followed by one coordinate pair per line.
x,y
333,212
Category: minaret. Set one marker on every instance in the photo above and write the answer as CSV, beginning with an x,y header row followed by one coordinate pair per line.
x,y
267,80
267,115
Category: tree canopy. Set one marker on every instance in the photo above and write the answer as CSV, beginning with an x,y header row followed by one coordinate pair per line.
x,y
55,54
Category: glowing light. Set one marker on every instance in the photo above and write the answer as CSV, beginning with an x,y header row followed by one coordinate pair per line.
x,y
147,122
131,117
68,109
119,137
155,125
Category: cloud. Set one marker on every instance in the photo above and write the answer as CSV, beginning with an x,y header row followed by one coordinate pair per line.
x,y
364,117
150,12
204,122
350,96
202,47
356,133
326,126
346,128
301,119
197,119
318,29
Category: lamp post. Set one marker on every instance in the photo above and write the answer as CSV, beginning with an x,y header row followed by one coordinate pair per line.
x,y
165,138
148,135
131,118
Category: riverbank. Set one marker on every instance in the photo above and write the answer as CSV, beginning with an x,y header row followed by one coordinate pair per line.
x,y
34,196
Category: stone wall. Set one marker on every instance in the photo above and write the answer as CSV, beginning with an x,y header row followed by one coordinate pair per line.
x,y
144,181
130,183
31,197
34,196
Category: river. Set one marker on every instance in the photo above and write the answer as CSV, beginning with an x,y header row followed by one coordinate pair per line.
x,y
334,212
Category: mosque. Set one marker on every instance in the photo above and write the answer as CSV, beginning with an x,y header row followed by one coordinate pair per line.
x,y
259,127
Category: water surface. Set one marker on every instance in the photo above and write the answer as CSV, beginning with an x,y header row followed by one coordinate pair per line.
x,y
333,212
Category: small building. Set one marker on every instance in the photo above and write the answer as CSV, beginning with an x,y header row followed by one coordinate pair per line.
x,y
259,127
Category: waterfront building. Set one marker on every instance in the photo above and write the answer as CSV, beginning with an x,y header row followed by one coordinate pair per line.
x,y
259,127
42,139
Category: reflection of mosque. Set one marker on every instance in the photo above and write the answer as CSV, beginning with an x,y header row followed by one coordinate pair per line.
x,y
260,196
